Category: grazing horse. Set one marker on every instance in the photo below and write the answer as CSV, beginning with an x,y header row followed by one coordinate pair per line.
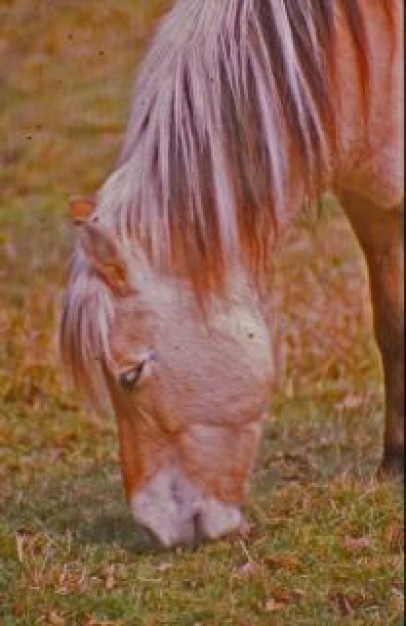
x,y
243,111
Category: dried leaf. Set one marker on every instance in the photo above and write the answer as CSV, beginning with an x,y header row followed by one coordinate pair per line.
x,y
164,567
245,530
398,599
250,569
342,605
357,544
190,584
20,547
245,621
272,605
276,562
351,401
109,576
110,583
394,536
92,621
55,619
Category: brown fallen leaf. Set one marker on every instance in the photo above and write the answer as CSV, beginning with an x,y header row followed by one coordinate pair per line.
x,y
245,530
55,620
109,576
276,562
250,569
350,401
398,599
20,547
357,544
272,605
394,536
277,522
110,583
92,621
164,567
189,583
245,621
342,605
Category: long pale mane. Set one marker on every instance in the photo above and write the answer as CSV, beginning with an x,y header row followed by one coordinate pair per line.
x,y
87,314
228,89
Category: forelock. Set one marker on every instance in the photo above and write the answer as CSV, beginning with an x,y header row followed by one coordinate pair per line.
x,y
87,317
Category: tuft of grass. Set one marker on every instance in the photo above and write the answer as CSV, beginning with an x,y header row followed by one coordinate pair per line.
x,y
326,540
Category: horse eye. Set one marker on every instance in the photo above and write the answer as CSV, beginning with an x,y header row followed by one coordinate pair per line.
x,y
129,378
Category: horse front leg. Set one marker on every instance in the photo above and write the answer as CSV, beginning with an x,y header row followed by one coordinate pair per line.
x,y
380,233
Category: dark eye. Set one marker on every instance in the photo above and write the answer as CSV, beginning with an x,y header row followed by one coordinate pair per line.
x,y
130,377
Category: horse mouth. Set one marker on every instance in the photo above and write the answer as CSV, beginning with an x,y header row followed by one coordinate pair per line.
x,y
191,539
171,512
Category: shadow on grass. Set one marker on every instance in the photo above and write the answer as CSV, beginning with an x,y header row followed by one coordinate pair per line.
x,y
88,506
118,529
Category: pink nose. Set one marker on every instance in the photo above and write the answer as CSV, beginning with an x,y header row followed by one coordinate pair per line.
x,y
172,511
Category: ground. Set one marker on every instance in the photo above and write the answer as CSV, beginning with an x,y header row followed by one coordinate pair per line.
x,y
326,539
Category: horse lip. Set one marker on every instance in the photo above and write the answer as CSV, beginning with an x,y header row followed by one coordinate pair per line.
x,y
193,541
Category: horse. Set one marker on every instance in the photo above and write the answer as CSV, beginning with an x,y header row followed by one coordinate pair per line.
x,y
243,112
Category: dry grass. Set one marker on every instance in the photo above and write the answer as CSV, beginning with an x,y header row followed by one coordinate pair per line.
x,y
326,539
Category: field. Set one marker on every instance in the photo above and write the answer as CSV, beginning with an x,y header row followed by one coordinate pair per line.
x,y
325,545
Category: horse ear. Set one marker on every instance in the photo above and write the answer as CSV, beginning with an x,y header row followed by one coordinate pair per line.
x,y
81,208
105,256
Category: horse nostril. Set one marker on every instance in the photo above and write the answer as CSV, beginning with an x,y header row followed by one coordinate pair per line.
x,y
147,536
198,535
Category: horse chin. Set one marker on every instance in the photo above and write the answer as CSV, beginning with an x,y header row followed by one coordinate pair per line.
x,y
172,512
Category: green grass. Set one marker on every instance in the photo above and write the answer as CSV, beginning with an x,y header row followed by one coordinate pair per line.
x,y
325,545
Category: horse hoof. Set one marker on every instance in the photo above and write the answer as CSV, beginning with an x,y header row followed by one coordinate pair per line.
x,y
392,466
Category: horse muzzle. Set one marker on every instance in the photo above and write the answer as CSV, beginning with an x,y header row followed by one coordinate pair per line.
x,y
173,512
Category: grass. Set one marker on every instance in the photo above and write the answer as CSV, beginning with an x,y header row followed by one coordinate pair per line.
x,y
326,544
